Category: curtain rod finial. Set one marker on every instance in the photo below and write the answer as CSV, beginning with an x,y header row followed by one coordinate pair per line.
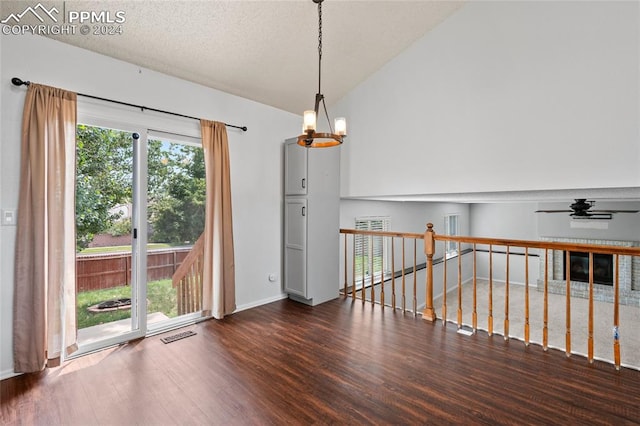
x,y
18,82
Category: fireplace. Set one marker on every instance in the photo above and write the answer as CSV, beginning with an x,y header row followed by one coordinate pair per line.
x,y
603,270
579,267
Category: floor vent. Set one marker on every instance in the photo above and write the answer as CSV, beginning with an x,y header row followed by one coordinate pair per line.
x,y
466,331
178,336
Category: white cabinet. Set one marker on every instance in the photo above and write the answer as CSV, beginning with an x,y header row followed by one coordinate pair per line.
x,y
312,222
295,246
295,170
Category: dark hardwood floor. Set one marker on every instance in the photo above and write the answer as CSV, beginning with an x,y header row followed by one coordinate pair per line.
x,y
341,362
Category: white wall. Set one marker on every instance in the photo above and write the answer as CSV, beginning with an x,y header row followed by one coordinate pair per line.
x,y
504,220
411,217
405,216
256,156
479,104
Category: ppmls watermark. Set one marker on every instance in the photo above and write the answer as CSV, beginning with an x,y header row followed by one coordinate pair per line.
x,y
67,22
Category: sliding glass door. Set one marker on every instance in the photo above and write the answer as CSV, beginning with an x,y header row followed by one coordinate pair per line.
x,y
139,216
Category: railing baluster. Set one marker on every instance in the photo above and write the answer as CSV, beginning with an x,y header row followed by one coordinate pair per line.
x,y
393,274
545,314
404,299
346,261
444,287
372,273
459,286
526,296
506,300
590,335
363,263
475,295
490,319
568,307
353,272
415,282
616,315
382,273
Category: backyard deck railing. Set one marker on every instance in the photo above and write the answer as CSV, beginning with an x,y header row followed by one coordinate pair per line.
x,y
188,279
373,289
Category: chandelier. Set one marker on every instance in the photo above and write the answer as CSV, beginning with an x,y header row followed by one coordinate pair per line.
x,y
309,137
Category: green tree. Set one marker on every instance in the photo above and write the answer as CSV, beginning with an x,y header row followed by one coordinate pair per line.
x,y
103,179
177,192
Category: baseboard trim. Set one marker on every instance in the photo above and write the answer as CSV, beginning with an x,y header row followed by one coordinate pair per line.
x,y
257,303
7,374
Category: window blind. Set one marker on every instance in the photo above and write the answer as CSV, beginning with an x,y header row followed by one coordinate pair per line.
x,y
371,251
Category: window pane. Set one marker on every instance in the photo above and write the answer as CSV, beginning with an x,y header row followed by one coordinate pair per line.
x,y
371,251
176,209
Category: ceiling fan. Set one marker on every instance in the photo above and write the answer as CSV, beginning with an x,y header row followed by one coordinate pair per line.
x,y
581,209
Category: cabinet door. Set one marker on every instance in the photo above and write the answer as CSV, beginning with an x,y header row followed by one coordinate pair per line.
x,y
295,168
295,246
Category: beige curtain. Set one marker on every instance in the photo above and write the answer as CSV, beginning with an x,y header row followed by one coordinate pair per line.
x,y
44,324
218,276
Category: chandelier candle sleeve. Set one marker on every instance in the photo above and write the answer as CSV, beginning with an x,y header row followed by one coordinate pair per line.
x,y
309,121
340,125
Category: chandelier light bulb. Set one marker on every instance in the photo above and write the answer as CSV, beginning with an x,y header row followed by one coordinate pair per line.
x,y
340,124
309,123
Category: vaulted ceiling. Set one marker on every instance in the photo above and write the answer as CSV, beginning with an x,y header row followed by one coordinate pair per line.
x,y
264,50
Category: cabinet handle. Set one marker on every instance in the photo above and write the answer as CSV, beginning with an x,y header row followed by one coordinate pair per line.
x,y
304,211
304,183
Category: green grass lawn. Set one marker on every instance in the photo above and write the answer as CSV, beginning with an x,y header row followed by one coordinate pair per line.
x,y
161,297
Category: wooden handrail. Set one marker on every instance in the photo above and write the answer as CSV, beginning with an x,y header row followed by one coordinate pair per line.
x,y
382,233
185,266
554,245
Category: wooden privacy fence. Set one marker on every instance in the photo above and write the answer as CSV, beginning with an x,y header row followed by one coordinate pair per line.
x,y
400,283
108,270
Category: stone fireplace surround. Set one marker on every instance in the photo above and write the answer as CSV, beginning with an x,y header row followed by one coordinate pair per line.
x,y
629,275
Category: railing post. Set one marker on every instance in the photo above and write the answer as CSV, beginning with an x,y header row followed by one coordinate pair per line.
x,y
429,249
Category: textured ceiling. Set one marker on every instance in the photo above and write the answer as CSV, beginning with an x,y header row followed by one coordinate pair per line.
x,y
261,50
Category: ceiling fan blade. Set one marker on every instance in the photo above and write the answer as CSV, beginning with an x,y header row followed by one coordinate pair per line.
x,y
614,211
553,211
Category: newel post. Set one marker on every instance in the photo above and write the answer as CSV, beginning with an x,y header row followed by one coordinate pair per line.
x,y
429,249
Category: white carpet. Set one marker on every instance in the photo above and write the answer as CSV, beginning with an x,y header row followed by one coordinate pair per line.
x,y
629,328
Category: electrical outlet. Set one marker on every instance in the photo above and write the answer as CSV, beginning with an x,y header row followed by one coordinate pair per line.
x,y
8,217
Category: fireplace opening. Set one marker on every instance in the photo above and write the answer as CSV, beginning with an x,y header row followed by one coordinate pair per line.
x,y
579,267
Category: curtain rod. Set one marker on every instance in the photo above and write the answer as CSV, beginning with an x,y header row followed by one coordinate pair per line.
x,y
18,82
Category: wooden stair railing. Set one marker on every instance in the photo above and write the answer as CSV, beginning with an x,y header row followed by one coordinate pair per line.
x,y
355,287
187,279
